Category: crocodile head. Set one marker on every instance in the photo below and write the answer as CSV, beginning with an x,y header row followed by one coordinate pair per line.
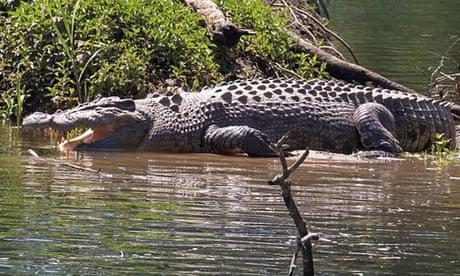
x,y
111,123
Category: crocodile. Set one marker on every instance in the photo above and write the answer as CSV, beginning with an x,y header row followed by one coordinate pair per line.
x,y
249,116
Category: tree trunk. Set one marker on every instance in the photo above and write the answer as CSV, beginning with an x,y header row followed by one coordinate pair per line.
x,y
224,32
347,71
221,30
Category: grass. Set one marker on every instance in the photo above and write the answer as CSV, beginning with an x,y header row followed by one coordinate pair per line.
x,y
442,152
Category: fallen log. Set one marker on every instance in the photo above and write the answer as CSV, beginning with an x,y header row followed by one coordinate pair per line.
x,y
224,32
221,30
350,72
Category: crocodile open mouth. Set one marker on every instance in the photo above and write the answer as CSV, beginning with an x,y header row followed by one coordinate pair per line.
x,y
89,136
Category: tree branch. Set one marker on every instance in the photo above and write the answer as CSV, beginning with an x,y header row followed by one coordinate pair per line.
x,y
344,70
221,30
305,237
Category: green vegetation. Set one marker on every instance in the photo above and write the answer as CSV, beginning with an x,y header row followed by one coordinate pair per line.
x,y
272,42
82,48
441,154
441,145
56,53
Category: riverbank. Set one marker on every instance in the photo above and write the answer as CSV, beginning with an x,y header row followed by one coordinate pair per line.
x,y
56,54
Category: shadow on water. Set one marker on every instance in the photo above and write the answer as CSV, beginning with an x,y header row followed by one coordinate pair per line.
x,y
208,214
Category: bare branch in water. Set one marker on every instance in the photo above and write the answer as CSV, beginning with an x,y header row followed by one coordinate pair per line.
x,y
304,241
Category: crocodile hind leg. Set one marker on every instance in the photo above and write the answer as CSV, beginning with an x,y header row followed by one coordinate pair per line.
x,y
376,125
233,139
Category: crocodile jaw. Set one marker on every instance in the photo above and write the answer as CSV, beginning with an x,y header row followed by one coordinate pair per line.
x,y
88,137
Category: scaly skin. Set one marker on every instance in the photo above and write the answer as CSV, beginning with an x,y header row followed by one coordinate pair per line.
x,y
249,116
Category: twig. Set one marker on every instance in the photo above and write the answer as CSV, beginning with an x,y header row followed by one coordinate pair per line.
x,y
449,77
332,49
441,84
327,30
286,71
285,184
293,10
64,163
292,265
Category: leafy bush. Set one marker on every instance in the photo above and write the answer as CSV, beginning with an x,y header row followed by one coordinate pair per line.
x,y
271,42
82,48
71,50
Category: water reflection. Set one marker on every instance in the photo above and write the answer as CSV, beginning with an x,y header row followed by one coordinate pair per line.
x,y
150,213
401,40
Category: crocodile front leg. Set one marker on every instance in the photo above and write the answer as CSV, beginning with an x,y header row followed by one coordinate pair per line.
x,y
234,139
376,125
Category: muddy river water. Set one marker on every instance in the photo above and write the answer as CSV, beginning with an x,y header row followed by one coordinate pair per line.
x,y
142,213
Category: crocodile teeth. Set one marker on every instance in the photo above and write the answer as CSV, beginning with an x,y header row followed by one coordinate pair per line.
x,y
86,137
92,135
